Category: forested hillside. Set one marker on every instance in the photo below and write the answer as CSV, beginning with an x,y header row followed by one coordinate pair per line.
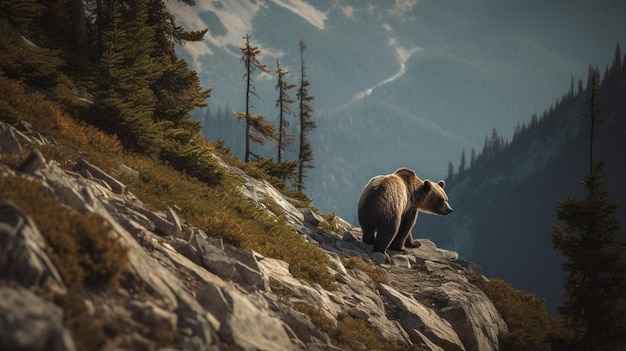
x,y
121,57
505,199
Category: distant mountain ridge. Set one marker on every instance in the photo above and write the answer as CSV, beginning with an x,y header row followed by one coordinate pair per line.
x,y
505,206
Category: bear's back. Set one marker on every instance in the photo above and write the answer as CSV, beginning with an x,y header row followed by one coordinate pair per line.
x,y
385,192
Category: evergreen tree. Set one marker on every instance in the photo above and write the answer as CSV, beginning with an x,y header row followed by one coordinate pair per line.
x,y
462,164
282,103
305,155
595,289
257,129
178,89
21,13
617,61
450,175
125,98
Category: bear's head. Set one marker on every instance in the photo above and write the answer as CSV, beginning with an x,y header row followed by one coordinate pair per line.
x,y
435,198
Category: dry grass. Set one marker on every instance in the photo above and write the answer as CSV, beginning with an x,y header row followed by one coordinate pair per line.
x,y
374,272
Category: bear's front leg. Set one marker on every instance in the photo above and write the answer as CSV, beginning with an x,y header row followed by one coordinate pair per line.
x,y
411,243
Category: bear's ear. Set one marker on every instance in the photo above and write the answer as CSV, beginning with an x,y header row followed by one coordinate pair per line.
x,y
426,185
442,184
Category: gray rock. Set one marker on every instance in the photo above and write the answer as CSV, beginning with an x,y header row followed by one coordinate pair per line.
x,y
82,94
73,192
420,321
153,316
378,257
173,218
128,171
474,318
28,322
251,328
402,261
9,143
252,278
22,255
161,224
89,170
311,217
32,163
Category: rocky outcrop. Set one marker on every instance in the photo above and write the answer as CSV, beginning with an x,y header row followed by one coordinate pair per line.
x,y
191,292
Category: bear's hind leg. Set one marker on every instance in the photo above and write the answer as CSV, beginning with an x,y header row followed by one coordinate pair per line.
x,y
369,228
404,238
386,233
368,234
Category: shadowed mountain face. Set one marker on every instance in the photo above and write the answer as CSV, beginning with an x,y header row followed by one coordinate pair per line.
x,y
506,206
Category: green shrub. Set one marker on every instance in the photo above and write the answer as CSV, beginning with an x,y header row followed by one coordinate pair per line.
x,y
530,325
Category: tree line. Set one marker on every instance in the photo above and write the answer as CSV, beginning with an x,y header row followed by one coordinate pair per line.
x,y
494,144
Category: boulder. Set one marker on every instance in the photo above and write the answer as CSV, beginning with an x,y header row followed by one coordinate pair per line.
x,y
9,143
421,322
90,171
33,162
22,255
28,322
472,315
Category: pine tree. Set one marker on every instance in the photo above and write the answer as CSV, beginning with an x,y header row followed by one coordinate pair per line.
x,y
127,72
450,175
305,113
21,13
462,164
257,129
178,89
595,289
617,61
282,104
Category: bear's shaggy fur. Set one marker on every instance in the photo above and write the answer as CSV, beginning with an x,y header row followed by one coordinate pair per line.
x,y
389,205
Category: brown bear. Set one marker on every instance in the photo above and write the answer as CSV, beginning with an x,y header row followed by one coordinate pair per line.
x,y
389,205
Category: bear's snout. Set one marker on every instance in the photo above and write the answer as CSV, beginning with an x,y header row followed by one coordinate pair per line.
x,y
446,208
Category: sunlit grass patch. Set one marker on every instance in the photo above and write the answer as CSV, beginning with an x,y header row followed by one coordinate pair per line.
x,y
374,272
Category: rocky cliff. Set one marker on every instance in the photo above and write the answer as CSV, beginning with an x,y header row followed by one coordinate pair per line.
x,y
187,291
